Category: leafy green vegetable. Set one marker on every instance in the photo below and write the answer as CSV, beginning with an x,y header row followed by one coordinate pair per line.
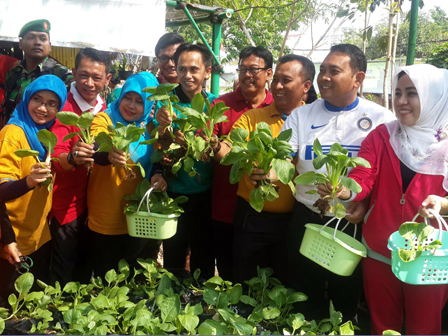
x,y
159,202
49,140
336,162
416,234
83,122
161,93
121,137
195,147
259,149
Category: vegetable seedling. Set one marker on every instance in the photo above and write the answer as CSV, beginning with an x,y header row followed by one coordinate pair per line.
x,y
417,235
159,201
260,150
83,123
49,140
195,147
336,162
121,137
161,93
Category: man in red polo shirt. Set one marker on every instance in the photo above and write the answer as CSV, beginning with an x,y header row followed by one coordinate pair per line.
x,y
255,70
69,210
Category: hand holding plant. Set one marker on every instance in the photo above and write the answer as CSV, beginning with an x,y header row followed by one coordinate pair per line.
x,y
84,153
334,183
40,172
83,123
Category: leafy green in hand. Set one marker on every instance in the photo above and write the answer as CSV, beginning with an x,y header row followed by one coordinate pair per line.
x,y
121,137
83,122
49,140
260,150
336,162
416,234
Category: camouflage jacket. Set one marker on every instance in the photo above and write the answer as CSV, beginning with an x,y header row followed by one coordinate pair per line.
x,y
18,78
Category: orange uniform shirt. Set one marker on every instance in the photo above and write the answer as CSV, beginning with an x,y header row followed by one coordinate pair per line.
x,y
28,213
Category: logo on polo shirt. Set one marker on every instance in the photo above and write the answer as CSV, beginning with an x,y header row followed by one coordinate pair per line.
x,y
314,127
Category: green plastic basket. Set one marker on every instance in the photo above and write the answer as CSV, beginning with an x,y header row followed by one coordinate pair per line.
x,y
430,268
151,225
332,249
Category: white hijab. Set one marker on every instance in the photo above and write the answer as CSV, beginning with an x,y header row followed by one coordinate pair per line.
x,y
423,147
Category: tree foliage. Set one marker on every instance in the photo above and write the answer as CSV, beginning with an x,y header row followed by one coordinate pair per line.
x,y
432,29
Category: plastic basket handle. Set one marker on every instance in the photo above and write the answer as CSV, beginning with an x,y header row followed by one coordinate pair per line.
x,y
440,221
146,196
336,227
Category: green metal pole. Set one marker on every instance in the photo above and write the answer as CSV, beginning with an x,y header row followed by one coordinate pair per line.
x,y
187,12
412,33
216,43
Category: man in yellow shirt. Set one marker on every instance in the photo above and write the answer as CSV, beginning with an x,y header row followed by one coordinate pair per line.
x,y
259,238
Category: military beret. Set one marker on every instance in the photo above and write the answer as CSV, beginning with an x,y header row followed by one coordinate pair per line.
x,y
36,25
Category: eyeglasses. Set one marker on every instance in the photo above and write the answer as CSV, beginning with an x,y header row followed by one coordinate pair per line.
x,y
50,106
165,59
252,71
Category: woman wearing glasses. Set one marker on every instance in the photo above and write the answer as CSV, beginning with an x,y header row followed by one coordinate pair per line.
x,y
27,202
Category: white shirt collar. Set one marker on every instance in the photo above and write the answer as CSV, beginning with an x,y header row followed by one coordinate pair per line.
x,y
83,105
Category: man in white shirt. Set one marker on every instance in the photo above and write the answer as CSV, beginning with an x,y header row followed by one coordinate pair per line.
x,y
339,117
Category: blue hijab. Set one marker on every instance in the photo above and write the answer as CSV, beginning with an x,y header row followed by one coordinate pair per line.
x,y
22,118
136,83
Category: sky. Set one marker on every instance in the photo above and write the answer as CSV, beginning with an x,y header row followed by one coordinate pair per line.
x,y
379,14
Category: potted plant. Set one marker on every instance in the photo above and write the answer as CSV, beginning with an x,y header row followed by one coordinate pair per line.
x,y
123,69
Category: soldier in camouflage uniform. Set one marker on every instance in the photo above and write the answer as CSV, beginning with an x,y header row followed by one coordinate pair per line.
x,y
34,40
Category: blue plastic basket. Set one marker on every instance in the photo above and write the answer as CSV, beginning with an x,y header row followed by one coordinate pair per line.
x,y
430,268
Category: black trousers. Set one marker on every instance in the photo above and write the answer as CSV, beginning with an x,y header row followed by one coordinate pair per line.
x,y
107,250
223,248
259,239
194,230
40,270
69,253
319,284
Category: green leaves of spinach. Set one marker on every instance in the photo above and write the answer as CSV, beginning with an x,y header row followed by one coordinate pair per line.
x,y
121,137
419,231
49,140
336,162
261,150
159,202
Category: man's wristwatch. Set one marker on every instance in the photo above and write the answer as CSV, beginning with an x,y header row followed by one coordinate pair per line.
x,y
71,160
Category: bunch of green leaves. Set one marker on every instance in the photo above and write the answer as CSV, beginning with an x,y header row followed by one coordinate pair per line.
x,y
219,293
417,235
336,163
159,201
161,93
260,150
195,147
271,300
49,140
121,137
328,326
83,122
27,304
204,121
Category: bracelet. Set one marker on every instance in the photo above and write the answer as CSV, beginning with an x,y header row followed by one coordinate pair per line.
x,y
217,148
71,160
